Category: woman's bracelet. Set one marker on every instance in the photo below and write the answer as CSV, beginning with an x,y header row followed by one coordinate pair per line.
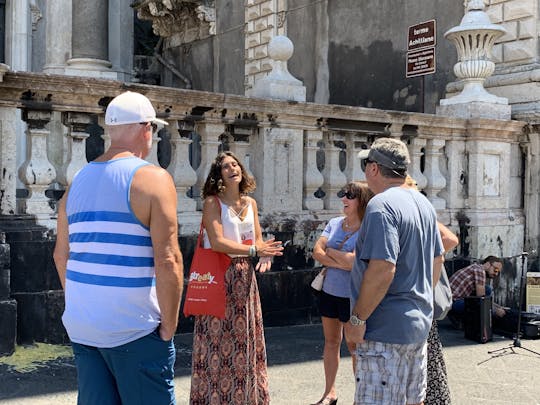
x,y
252,250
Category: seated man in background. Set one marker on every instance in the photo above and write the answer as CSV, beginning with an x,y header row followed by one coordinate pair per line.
x,y
471,281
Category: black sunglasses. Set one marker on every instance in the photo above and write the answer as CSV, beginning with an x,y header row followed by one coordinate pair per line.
x,y
153,125
364,162
350,195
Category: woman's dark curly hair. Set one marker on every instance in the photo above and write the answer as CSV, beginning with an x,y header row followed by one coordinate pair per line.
x,y
214,182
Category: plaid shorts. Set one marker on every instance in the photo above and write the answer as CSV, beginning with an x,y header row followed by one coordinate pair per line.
x,y
390,374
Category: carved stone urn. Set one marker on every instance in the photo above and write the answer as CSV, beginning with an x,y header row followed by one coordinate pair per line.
x,y
474,39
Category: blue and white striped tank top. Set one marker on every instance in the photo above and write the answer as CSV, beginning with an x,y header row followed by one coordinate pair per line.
x,y
110,280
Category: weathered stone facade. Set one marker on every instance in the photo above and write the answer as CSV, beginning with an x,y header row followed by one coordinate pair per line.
x,y
481,174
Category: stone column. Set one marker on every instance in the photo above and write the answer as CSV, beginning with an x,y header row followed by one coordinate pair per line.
x,y
8,161
37,173
76,153
19,37
121,38
58,32
90,39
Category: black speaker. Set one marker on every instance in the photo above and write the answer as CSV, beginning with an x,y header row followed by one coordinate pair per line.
x,y
477,319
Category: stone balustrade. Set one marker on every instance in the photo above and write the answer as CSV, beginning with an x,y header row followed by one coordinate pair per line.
x,y
474,171
300,154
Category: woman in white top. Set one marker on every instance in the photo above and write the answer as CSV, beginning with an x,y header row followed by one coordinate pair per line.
x,y
229,355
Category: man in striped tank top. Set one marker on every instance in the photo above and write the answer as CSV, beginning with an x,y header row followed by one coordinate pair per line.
x,y
120,265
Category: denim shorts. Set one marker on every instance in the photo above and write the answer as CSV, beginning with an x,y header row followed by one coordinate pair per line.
x,y
390,374
136,373
334,307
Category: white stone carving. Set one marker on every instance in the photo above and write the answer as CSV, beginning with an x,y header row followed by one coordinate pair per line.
x,y
37,173
473,39
76,146
436,181
415,152
3,70
186,20
279,83
36,14
180,169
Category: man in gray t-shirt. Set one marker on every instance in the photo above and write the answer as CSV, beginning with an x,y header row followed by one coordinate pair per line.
x,y
398,260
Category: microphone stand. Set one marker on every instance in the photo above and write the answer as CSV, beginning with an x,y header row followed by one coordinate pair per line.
x,y
517,338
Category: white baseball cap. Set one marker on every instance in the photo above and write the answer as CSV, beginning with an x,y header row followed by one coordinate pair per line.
x,y
131,108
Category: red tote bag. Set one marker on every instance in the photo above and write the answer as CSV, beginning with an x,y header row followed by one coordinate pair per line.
x,y
206,286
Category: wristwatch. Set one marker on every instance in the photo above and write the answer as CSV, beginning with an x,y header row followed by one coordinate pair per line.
x,y
355,321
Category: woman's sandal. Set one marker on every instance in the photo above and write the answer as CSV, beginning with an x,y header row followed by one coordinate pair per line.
x,y
326,401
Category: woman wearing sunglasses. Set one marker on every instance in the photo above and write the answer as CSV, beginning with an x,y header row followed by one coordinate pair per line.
x,y
335,250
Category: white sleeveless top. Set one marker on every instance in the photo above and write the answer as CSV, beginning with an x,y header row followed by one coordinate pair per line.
x,y
241,231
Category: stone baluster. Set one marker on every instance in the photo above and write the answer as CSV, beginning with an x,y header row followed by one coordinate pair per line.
x,y
37,173
180,168
334,179
106,137
313,179
76,145
432,170
415,151
395,130
354,144
8,161
152,156
209,130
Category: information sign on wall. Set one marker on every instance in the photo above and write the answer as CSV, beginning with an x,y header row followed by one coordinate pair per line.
x,y
421,41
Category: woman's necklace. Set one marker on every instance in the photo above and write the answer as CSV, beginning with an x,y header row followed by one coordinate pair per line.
x,y
349,227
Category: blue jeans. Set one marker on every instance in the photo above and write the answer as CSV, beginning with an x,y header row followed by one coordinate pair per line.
x,y
137,373
458,306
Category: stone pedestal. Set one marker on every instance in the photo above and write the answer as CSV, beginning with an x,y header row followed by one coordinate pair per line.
x,y
278,153
476,110
279,84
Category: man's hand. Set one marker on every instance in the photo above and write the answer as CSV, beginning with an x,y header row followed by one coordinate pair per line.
x,y
499,311
166,333
354,334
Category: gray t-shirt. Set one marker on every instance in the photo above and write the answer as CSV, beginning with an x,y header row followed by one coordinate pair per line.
x,y
337,281
400,226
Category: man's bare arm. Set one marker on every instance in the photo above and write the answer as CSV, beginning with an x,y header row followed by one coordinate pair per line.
x,y
377,279
154,186
61,248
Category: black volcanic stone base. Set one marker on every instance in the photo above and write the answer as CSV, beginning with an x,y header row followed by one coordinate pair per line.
x,y
8,328
286,299
40,317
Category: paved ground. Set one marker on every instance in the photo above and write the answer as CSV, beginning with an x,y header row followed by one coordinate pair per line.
x,y
296,371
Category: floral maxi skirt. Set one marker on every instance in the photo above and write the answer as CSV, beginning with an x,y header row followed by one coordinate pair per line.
x,y
229,355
